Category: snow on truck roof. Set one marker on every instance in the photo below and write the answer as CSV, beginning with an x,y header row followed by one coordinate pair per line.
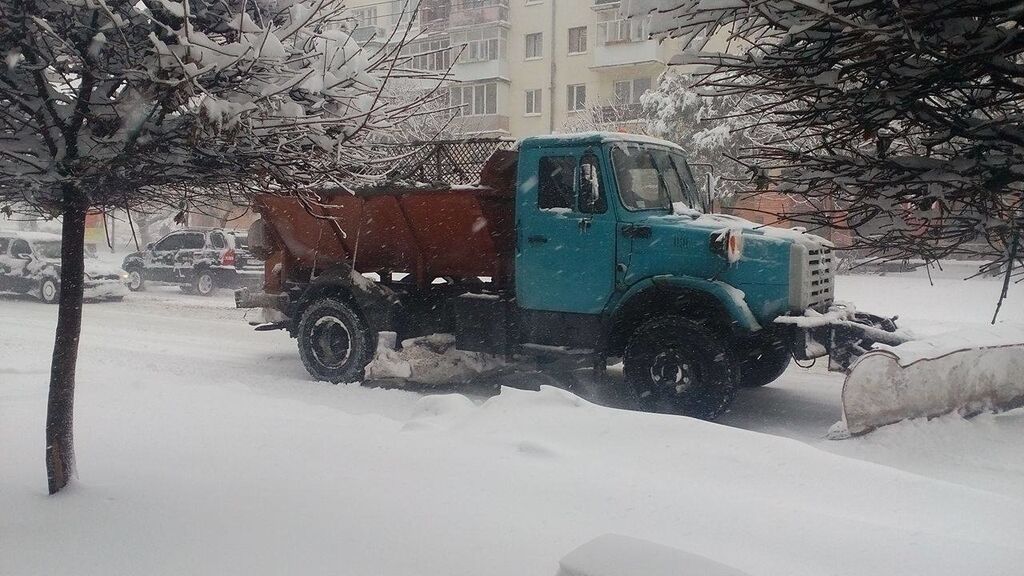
x,y
584,138
30,236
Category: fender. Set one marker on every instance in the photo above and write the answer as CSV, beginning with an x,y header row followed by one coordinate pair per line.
x,y
375,302
729,298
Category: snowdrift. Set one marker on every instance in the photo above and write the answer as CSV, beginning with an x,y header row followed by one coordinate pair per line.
x,y
968,372
614,555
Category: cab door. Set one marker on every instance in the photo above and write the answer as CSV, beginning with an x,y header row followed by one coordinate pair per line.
x,y
5,264
19,277
160,259
565,257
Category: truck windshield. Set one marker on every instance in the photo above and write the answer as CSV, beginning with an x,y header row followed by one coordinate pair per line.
x,y
653,179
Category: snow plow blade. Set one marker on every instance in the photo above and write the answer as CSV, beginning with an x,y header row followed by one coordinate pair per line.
x,y
925,379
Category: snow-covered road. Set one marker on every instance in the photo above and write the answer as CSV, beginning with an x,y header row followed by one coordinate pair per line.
x,y
204,448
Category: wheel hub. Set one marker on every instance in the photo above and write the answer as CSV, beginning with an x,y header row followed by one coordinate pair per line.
x,y
332,343
671,372
205,283
49,290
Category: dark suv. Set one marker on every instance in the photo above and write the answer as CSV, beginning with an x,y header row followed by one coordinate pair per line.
x,y
200,260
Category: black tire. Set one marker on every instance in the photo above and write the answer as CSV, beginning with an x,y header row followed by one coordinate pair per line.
x,y
334,343
136,279
204,283
678,366
764,365
49,291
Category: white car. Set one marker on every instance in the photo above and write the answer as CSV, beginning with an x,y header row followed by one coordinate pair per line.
x,y
30,264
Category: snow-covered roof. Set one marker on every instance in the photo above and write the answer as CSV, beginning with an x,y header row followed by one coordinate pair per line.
x,y
30,236
591,138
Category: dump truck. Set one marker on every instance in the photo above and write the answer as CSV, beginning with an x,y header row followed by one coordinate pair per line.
x,y
599,245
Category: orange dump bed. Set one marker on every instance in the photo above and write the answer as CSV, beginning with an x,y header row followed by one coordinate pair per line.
x,y
462,232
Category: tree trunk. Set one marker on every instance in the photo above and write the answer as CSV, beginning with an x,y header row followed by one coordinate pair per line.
x,y
60,448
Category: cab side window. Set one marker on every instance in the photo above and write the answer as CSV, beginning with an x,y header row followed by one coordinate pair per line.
x,y
172,242
192,241
217,240
592,197
556,181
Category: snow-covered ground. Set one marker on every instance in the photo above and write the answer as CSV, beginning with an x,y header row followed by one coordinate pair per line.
x,y
204,448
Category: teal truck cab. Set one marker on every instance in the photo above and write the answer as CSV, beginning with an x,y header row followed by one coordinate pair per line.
x,y
596,244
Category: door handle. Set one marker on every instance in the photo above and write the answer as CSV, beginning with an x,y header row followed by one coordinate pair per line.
x,y
636,231
538,239
585,224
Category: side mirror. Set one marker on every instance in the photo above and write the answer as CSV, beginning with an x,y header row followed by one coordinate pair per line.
x,y
709,195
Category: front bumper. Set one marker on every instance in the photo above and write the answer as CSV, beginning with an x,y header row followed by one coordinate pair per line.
x,y
246,298
104,290
841,333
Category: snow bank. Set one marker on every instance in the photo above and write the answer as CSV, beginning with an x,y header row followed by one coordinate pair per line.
x,y
614,555
428,360
205,448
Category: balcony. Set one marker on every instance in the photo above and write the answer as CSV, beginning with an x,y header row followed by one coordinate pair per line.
x,y
469,13
468,70
624,42
364,34
434,15
485,124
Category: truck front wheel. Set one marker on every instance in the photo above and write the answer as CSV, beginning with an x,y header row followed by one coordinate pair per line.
x,y
677,366
764,365
334,342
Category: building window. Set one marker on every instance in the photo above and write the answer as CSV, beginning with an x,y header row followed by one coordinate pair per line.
x,y
434,55
629,91
475,99
481,45
534,45
578,40
533,102
577,97
401,12
365,16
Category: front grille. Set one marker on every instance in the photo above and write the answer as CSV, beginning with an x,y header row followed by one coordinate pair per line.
x,y
810,277
818,278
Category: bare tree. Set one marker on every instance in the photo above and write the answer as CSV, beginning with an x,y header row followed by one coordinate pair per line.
x,y
899,121
114,104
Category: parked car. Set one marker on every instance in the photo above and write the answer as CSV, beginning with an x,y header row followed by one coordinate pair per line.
x,y
30,264
199,260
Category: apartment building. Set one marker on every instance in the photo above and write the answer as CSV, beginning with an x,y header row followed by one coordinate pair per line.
x,y
527,67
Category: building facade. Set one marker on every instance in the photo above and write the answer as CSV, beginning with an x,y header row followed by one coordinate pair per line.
x,y
526,67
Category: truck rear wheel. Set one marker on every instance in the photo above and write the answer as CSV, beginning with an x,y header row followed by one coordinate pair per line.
x,y
765,365
334,342
677,366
